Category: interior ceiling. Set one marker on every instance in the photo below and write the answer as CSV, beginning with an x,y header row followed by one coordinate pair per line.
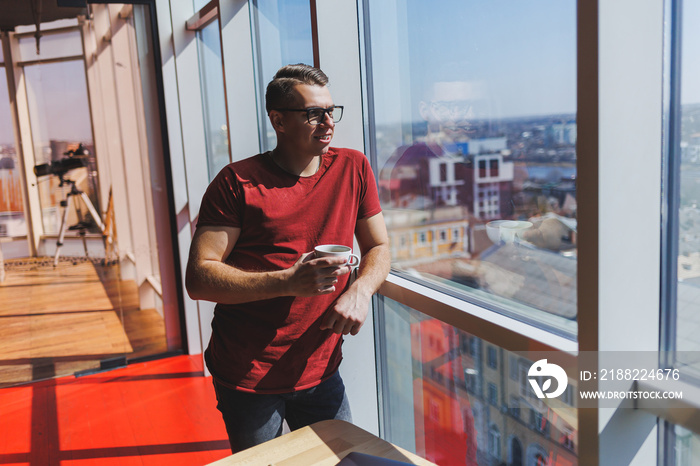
x,y
22,12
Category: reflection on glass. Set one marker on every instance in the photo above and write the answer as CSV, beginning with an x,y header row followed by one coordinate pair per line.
x,y
12,219
211,71
456,399
475,136
282,30
688,291
60,121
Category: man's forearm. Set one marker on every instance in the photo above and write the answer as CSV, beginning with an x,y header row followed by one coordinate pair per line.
x,y
373,269
221,283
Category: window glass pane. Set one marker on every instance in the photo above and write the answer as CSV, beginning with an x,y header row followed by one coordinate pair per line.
x,y
212,77
12,219
58,24
64,44
688,287
443,400
198,4
687,449
60,121
282,30
475,129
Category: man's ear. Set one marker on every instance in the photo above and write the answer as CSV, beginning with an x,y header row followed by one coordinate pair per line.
x,y
277,120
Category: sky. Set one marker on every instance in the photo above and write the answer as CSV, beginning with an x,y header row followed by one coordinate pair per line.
x,y
525,52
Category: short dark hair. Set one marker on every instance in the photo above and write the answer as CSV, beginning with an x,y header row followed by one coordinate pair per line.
x,y
279,92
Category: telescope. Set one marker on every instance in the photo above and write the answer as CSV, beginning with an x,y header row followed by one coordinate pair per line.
x,y
75,159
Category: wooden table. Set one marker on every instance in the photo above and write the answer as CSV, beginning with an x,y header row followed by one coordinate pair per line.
x,y
322,443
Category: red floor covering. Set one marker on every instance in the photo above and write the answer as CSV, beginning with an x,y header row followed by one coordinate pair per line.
x,y
159,412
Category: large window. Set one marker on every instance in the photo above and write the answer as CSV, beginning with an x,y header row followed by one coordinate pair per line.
x,y
12,218
681,298
215,125
51,46
60,119
444,400
685,197
282,33
474,130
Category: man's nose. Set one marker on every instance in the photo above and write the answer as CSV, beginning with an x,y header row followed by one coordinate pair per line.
x,y
327,119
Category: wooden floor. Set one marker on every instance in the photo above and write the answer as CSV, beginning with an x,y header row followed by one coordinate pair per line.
x,y
58,321
156,413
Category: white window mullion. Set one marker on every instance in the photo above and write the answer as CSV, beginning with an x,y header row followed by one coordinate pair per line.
x,y
20,107
237,56
630,61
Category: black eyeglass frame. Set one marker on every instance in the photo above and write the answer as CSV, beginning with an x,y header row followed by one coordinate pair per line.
x,y
326,111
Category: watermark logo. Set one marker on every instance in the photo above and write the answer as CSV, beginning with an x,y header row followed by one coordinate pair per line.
x,y
542,369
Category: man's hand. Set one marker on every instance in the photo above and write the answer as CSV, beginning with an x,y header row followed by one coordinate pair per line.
x,y
311,276
348,313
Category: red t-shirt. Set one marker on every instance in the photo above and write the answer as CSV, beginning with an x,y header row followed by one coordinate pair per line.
x,y
277,345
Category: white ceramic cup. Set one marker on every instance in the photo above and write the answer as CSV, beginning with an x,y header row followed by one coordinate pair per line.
x,y
338,250
493,230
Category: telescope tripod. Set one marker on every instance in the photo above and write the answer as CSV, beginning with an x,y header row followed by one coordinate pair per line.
x,y
82,225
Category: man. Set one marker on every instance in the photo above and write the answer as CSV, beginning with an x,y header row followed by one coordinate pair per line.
x,y
281,312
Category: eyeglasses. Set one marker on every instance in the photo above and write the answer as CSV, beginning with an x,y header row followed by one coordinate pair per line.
x,y
316,115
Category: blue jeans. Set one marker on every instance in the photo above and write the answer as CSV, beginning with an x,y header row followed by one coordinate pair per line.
x,y
253,418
